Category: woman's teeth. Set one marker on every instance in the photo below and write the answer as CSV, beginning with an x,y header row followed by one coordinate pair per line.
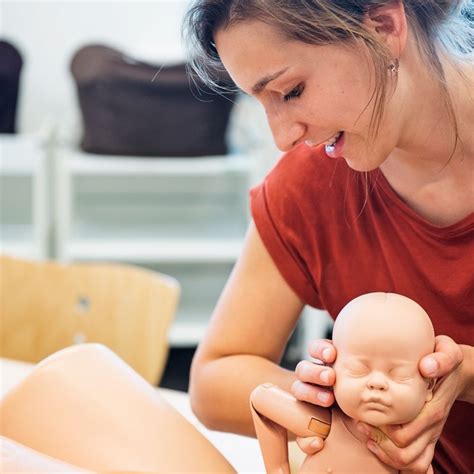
x,y
331,145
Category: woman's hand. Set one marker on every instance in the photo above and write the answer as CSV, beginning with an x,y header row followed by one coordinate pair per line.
x,y
410,447
314,385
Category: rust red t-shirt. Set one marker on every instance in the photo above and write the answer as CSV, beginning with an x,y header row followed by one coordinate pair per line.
x,y
335,234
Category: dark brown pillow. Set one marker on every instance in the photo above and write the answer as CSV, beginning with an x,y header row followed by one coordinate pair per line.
x,y
130,107
10,68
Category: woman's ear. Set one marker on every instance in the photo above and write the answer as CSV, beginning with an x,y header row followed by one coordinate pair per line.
x,y
389,23
430,388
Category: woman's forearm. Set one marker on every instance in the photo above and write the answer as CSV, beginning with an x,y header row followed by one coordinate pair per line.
x,y
467,394
220,389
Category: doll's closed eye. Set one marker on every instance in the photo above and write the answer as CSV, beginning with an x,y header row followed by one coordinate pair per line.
x,y
356,368
401,373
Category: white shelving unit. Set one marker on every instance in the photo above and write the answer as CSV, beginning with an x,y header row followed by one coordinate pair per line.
x,y
24,216
182,216
142,250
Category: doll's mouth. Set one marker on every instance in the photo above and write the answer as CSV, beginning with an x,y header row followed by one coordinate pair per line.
x,y
375,406
375,401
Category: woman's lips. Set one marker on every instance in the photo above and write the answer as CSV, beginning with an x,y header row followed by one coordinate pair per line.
x,y
312,143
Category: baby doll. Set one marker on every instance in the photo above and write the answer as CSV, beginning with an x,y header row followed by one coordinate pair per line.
x,y
380,338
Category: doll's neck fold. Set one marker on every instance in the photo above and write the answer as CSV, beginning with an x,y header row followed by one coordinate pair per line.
x,y
351,426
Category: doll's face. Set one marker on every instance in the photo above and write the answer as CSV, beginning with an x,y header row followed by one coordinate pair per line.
x,y
379,346
381,388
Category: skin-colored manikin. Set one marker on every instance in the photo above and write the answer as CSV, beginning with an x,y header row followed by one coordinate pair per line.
x,y
83,409
380,339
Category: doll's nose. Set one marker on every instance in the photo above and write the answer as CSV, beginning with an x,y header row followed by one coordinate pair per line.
x,y
377,381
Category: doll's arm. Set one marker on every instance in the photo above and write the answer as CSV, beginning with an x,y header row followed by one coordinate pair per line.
x,y
274,412
15,457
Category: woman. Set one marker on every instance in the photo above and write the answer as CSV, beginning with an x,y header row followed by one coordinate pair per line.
x,y
373,103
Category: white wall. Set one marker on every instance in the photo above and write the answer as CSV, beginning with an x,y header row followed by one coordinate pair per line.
x,y
49,32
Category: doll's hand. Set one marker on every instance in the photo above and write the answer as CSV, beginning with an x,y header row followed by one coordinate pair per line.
x,y
312,383
410,447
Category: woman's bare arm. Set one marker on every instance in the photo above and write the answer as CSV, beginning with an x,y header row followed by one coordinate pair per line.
x,y
245,340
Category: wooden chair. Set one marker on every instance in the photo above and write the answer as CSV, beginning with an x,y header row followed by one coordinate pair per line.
x,y
46,306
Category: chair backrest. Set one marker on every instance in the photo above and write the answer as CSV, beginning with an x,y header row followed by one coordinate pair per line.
x,y
46,306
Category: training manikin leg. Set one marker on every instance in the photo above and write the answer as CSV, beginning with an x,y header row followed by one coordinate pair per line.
x,y
84,406
15,457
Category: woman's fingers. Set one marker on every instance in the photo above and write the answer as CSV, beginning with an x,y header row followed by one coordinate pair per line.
x,y
413,457
313,378
310,372
323,350
310,445
401,460
312,394
447,356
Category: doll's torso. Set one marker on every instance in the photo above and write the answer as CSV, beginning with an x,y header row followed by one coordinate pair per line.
x,y
343,453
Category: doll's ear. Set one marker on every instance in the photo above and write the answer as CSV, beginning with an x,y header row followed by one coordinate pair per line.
x,y
430,388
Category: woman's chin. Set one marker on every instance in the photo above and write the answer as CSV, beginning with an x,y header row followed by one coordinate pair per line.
x,y
362,164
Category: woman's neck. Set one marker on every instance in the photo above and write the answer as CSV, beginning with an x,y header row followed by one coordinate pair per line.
x,y
428,137
426,170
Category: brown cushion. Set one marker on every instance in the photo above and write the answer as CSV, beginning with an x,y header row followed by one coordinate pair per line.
x,y
10,69
130,107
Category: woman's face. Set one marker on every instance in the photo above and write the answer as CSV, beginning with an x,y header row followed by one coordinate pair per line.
x,y
310,92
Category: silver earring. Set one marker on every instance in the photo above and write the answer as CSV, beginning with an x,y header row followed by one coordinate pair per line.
x,y
393,67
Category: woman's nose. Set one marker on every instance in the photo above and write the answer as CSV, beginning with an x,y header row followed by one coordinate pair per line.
x,y
286,132
377,381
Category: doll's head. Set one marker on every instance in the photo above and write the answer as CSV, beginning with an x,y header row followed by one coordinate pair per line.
x,y
380,339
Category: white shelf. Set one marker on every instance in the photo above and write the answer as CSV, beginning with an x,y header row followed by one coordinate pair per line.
x,y
18,240
19,155
102,215
24,216
86,164
19,249
147,250
187,333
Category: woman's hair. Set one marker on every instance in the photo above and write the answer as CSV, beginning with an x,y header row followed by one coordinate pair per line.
x,y
439,26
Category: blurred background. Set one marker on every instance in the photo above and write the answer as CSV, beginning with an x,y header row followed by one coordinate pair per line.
x,y
109,154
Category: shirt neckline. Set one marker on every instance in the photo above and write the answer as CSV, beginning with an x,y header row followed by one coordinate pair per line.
x,y
452,230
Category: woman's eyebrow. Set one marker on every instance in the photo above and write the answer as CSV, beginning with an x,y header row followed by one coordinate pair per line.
x,y
262,83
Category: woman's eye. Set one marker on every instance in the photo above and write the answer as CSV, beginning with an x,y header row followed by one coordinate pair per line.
x,y
294,93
